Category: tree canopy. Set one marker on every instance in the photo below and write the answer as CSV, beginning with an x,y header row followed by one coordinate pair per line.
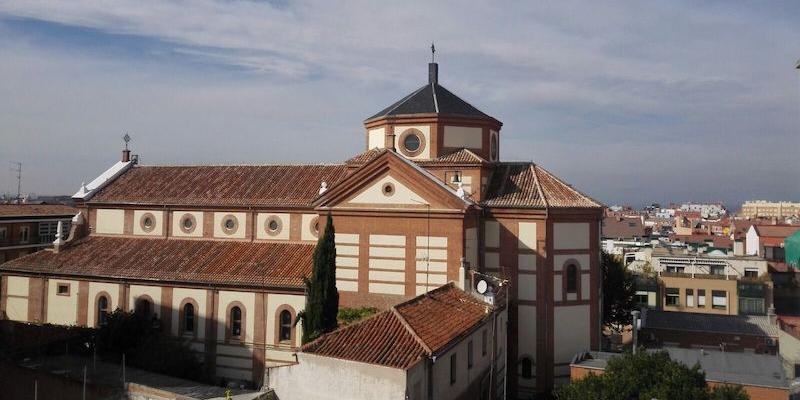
x,y
618,291
647,375
322,298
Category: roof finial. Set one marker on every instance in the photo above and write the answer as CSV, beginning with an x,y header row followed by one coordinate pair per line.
x,y
433,53
126,138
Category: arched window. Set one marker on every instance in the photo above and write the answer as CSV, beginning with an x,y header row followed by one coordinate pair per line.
x,y
236,321
527,367
102,310
572,278
188,318
143,307
285,334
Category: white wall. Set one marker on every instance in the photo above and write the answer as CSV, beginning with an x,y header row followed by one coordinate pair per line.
x,y
463,136
572,333
752,245
198,295
62,310
112,289
17,298
110,221
571,235
322,378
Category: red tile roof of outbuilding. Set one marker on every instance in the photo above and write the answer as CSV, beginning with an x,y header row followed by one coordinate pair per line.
x,y
226,263
36,210
408,332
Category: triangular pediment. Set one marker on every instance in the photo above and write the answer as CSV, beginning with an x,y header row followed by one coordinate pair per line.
x,y
389,181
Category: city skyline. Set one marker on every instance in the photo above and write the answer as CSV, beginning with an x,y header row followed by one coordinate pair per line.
x,y
631,103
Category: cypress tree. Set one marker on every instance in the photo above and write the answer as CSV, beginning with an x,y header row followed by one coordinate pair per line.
x,y
322,298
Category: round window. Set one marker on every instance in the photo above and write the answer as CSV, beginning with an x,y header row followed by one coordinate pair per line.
x,y
230,224
411,142
315,226
493,147
388,189
273,225
188,223
147,222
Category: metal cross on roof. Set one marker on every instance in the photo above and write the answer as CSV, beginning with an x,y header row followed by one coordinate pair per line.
x,y
433,53
126,138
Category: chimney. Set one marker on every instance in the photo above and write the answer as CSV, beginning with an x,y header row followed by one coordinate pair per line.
x,y
433,73
126,155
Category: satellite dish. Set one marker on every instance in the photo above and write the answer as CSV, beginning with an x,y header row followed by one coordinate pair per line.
x,y
482,286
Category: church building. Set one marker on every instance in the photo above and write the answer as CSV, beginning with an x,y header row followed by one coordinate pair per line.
x,y
219,252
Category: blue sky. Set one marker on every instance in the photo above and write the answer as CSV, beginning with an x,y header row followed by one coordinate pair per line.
x,y
631,102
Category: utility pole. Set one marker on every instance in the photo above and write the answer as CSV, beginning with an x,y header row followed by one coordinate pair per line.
x,y
18,170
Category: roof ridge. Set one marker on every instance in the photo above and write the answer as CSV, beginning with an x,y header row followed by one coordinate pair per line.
x,y
559,180
237,165
468,103
538,185
435,100
410,330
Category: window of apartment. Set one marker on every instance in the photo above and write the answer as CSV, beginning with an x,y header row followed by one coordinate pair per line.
x,y
675,269
527,367
751,273
188,318
3,230
470,355
453,369
24,234
673,296
719,299
689,297
47,231
484,342
717,270
701,298
572,278
751,306
62,289
236,321
285,333
640,297
102,310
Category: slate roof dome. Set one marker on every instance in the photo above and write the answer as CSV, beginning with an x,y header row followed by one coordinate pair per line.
x,y
432,98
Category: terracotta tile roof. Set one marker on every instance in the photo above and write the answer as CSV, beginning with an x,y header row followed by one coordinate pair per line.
x,y
776,231
193,261
381,339
408,332
460,156
36,210
625,228
365,157
527,185
236,185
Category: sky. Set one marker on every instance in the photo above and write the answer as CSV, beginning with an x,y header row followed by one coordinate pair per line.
x,y
630,102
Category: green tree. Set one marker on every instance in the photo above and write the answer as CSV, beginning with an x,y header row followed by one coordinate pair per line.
x,y
729,392
647,375
618,291
322,298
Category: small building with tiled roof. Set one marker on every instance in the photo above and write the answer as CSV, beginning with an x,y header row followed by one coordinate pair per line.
x,y
427,201
444,344
767,240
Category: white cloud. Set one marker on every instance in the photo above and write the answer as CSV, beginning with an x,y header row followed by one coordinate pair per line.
x,y
564,77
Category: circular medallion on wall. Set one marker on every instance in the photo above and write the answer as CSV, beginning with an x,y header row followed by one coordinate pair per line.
x,y
314,226
188,223
412,142
147,222
273,225
230,224
387,189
